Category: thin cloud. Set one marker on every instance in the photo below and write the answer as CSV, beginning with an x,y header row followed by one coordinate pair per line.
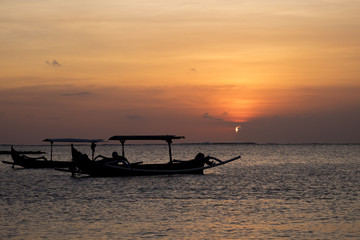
x,y
75,94
52,118
53,63
208,116
134,117
219,120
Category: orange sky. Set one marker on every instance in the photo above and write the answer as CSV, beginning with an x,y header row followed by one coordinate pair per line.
x,y
285,71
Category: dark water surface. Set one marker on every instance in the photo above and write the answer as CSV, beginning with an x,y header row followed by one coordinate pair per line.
x,y
272,192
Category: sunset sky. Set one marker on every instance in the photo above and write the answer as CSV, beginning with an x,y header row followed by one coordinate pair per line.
x,y
283,71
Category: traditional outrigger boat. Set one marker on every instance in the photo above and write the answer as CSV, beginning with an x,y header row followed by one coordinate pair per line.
x,y
42,162
119,166
34,162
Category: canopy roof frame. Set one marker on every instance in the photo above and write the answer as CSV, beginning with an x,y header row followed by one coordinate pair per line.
x,y
167,138
71,140
78,140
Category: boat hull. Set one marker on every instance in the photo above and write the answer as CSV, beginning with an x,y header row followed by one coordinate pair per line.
x,y
110,168
28,162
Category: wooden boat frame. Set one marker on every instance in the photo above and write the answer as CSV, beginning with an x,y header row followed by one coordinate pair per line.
x,y
42,162
72,140
167,138
115,167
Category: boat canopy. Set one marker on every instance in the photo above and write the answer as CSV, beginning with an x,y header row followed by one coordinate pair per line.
x,y
78,140
167,138
72,140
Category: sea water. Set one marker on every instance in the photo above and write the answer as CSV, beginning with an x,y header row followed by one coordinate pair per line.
x,y
309,191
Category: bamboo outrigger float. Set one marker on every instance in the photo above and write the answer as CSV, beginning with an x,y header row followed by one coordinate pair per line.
x,y
120,166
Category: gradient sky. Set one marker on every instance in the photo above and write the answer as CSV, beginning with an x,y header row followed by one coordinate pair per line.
x,y
284,71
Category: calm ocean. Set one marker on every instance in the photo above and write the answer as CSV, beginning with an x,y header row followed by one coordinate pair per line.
x,y
272,192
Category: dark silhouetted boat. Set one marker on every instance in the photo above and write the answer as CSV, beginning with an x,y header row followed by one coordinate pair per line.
x,y
35,162
42,162
119,166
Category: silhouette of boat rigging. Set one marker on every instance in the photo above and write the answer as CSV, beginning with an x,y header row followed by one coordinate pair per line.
x,y
24,161
119,166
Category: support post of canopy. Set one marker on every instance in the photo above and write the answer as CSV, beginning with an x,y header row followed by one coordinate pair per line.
x,y
123,146
169,141
167,138
93,146
51,150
